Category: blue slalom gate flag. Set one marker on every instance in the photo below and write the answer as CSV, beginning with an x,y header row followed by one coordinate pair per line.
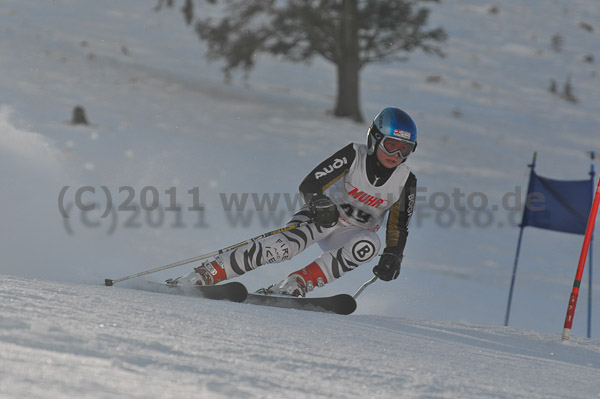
x,y
559,205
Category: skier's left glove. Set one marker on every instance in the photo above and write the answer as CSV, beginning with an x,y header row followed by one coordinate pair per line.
x,y
388,267
323,211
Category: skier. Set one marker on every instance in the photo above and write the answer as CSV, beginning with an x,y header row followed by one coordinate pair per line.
x,y
346,199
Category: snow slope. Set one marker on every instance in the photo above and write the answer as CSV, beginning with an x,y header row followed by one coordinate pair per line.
x,y
78,341
163,118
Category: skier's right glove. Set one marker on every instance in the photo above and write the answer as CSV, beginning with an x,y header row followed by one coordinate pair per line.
x,y
388,267
323,211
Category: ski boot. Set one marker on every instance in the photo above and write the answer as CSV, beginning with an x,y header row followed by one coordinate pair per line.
x,y
208,273
298,283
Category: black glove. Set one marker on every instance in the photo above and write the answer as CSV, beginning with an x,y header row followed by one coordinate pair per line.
x,y
388,267
323,211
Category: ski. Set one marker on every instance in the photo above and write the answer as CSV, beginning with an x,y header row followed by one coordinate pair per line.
x,y
233,291
343,304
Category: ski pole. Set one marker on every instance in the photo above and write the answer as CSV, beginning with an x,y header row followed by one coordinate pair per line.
x,y
365,285
108,282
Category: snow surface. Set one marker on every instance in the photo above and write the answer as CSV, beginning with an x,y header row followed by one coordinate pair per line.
x,y
162,117
71,340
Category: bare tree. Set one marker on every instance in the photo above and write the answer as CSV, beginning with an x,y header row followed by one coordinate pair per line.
x,y
348,33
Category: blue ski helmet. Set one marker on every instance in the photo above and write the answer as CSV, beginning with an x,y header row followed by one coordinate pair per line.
x,y
392,122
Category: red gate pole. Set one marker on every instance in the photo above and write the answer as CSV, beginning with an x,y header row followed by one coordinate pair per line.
x,y
584,251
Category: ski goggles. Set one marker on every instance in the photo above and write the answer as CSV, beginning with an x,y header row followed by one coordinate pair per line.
x,y
392,145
